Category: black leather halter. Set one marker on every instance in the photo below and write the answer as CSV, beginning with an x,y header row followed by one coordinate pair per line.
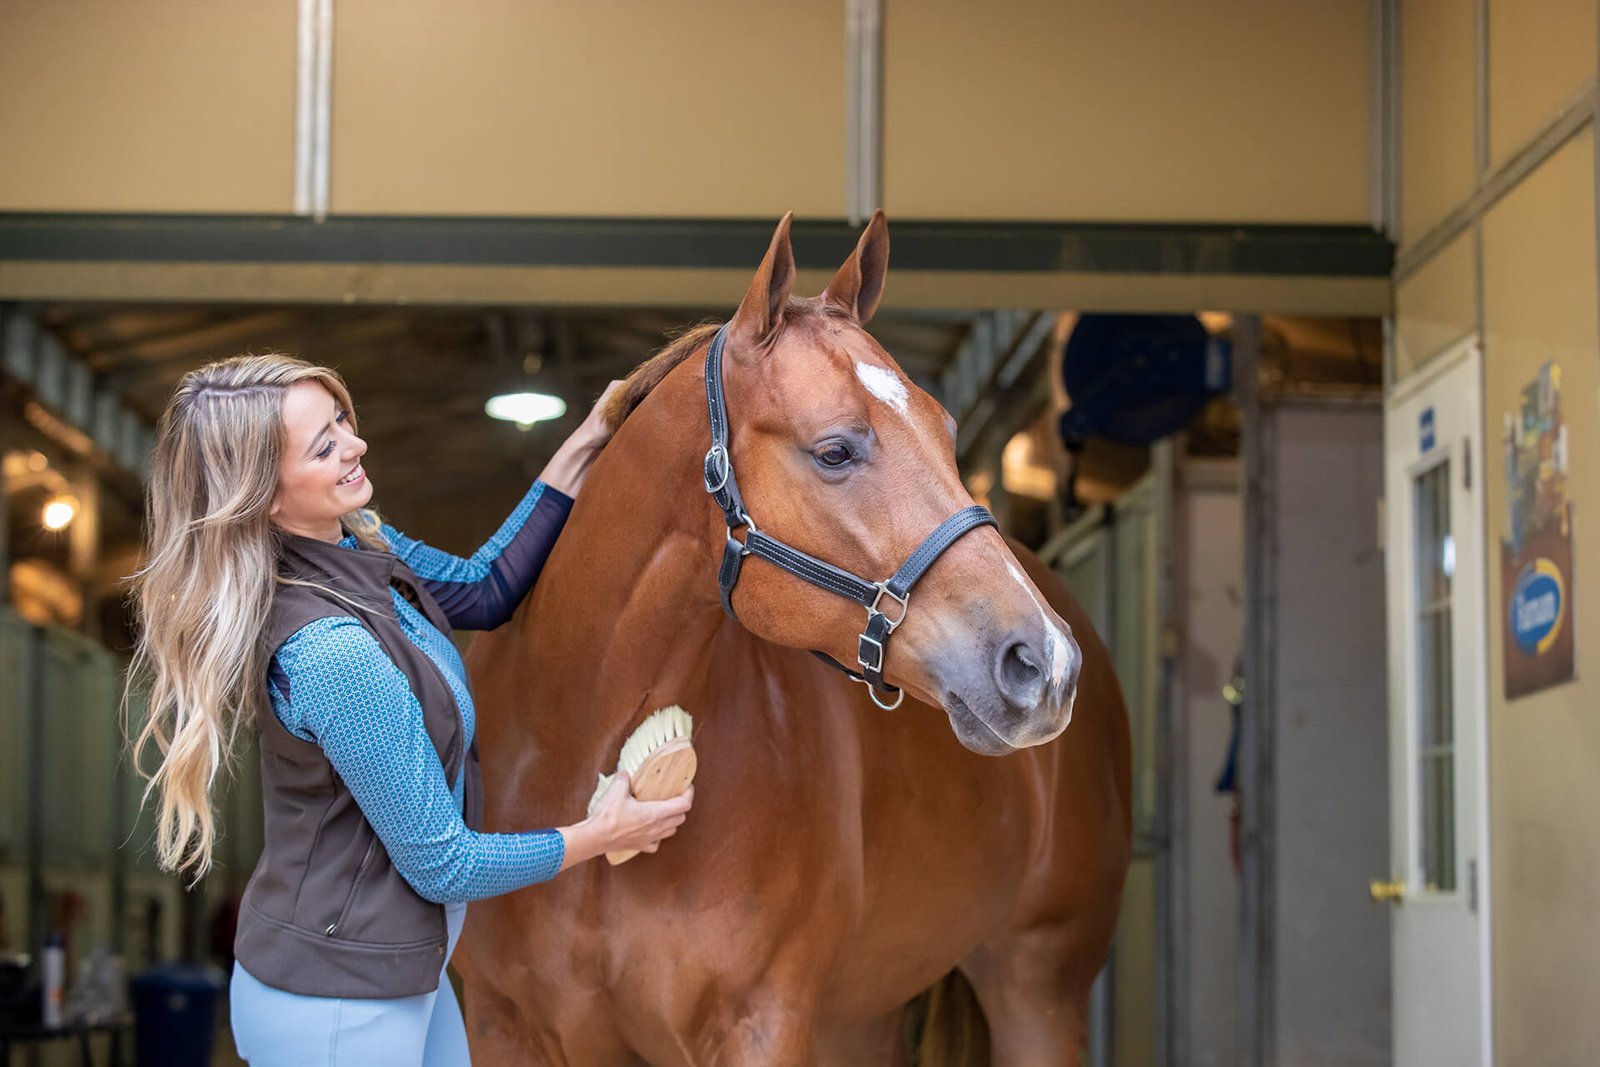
x,y
873,641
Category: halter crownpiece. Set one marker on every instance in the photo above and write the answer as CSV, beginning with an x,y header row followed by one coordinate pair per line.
x,y
872,643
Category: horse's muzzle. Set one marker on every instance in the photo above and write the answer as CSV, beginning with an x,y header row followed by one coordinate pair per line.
x,y
1024,697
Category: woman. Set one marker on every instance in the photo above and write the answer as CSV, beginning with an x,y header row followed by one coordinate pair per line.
x,y
271,598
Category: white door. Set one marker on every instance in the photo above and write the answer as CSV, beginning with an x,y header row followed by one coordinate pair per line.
x,y
1438,882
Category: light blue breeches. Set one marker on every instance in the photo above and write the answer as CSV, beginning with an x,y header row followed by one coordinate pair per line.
x,y
274,1028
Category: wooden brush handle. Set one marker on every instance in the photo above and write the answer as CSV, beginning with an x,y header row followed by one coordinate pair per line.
x,y
664,774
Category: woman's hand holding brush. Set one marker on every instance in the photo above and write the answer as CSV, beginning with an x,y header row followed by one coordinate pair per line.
x,y
620,823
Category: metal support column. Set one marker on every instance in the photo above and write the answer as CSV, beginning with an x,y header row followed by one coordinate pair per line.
x,y
1256,979
863,106
7,434
38,921
1171,836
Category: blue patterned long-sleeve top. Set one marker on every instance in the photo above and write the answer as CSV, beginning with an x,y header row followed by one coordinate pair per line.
x,y
332,684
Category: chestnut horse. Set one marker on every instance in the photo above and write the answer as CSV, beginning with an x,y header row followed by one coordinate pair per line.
x,y
839,858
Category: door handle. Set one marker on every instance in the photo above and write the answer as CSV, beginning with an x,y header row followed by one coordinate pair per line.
x,y
1393,892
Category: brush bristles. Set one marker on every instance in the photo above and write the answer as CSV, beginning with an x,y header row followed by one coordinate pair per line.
x,y
661,727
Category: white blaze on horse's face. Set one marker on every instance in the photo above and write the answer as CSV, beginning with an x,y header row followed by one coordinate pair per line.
x,y
1059,650
885,385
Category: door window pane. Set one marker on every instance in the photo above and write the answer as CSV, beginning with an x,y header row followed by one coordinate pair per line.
x,y
1435,570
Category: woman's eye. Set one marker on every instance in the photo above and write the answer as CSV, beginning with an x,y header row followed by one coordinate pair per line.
x,y
327,450
341,416
834,456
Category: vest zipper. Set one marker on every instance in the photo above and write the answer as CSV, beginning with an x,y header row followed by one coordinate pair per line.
x,y
355,884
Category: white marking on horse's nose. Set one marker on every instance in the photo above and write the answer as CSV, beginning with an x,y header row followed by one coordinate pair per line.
x,y
884,385
1057,652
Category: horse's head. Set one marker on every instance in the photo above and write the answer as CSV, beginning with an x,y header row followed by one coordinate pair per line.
x,y
840,455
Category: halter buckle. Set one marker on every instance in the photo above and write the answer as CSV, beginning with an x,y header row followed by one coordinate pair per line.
x,y
876,609
718,465
865,644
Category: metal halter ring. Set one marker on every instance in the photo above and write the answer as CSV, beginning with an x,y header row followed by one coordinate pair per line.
x,y
872,691
903,601
726,468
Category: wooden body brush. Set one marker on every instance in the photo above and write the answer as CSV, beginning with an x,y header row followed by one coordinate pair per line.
x,y
660,762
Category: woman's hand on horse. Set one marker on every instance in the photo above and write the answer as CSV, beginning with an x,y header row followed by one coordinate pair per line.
x,y
620,823
640,824
570,465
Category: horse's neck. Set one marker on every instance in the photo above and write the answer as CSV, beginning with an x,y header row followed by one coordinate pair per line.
x,y
626,611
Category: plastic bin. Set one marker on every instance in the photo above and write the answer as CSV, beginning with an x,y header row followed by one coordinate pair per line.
x,y
174,1014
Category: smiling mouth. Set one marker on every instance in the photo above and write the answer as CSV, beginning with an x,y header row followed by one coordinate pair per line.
x,y
354,476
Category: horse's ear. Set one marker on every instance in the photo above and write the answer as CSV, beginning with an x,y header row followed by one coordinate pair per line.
x,y
761,311
858,285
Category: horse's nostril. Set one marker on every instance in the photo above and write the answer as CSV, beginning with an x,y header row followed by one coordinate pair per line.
x,y
1020,675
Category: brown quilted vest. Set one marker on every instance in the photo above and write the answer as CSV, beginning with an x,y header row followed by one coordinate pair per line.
x,y
325,913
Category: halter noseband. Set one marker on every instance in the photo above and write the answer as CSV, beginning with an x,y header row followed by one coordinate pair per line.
x,y
873,641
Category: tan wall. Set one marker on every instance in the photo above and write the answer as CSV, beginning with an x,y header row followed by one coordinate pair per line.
x,y
1238,110
1540,54
1164,109
1436,306
1438,109
1540,304
159,105
610,107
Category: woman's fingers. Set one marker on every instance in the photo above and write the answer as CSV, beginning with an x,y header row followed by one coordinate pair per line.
x,y
644,824
597,413
677,805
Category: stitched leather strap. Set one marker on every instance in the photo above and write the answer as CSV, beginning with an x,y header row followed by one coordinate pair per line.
x,y
813,570
946,534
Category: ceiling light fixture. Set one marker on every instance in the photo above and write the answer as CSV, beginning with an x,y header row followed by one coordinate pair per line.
x,y
525,409
59,512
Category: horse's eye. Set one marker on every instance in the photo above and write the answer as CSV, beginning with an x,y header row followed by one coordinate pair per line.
x,y
834,456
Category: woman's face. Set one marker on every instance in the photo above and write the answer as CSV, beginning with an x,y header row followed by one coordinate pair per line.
x,y
320,477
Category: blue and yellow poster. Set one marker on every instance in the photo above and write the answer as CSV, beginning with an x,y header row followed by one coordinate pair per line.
x,y
1536,558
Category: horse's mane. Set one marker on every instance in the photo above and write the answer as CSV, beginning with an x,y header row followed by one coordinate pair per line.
x,y
649,374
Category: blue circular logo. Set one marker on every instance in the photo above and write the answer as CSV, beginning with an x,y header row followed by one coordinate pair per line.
x,y
1536,605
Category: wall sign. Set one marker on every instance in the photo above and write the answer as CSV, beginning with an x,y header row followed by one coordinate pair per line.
x,y
1536,559
1425,430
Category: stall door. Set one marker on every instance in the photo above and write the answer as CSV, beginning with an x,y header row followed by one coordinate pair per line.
x,y
1438,882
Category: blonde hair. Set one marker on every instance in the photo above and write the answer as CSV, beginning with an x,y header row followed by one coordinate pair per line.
x,y
205,586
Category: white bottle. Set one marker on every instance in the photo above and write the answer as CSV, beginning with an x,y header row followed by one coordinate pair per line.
x,y
53,976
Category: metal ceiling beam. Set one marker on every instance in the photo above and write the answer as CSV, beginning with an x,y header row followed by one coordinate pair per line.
x,y
1065,247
